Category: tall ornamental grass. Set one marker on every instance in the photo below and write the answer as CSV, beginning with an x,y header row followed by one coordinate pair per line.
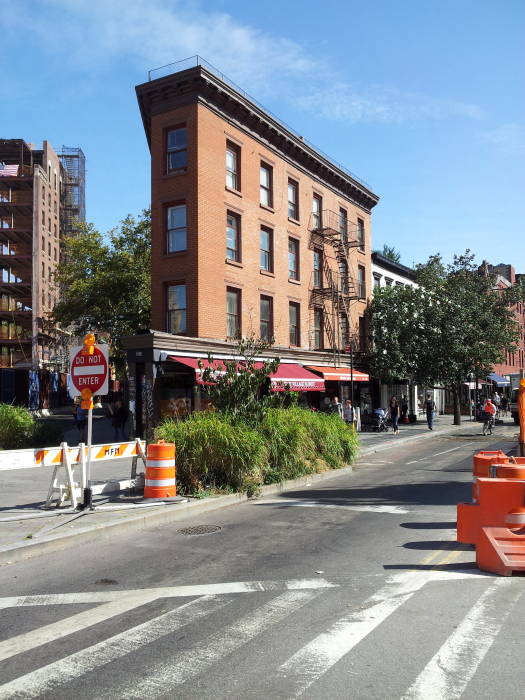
x,y
213,451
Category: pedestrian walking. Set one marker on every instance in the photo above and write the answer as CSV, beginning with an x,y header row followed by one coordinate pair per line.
x,y
504,405
394,414
336,407
404,409
80,416
430,408
119,416
348,412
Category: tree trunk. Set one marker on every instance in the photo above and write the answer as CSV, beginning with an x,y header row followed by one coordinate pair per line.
x,y
456,391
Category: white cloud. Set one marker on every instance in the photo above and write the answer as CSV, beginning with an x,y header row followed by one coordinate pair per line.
x,y
92,35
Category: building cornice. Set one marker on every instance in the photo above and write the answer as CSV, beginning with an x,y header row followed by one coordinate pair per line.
x,y
199,85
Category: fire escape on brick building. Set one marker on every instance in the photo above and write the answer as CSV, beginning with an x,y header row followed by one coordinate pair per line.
x,y
334,286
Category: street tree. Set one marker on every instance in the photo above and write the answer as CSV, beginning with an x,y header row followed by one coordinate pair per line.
x,y
391,253
105,282
456,323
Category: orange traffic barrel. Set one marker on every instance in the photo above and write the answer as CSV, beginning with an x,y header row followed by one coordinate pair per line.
x,y
160,481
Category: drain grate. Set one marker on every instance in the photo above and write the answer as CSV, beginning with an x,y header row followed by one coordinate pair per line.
x,y
199,530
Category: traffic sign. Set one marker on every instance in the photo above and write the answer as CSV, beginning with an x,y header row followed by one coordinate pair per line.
x,y
89,371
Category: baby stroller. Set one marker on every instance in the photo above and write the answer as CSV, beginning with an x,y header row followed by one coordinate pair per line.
x,y
380,425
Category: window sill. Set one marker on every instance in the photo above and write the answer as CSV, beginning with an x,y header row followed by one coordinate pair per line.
x,y
235,263
174,173
237,193
361,250
266,208
294,281
175,254
294,221
267,273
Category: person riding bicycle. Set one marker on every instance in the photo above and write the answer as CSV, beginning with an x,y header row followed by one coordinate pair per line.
x,y
490,411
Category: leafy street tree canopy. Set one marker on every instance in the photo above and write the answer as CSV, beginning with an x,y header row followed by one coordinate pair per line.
x,y
455,324
391,253
105,285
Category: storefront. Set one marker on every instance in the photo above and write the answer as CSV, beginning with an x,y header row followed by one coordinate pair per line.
x,y
345,383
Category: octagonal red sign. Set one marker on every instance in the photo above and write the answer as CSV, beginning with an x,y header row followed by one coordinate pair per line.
x,y
90,371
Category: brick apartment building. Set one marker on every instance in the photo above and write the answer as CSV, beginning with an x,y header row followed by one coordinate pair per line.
x,y
41,193
254,232
514,365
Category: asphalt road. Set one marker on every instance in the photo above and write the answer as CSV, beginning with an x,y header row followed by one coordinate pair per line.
x,y
354,589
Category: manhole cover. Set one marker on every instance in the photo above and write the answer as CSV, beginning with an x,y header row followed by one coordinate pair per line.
x,y
200,530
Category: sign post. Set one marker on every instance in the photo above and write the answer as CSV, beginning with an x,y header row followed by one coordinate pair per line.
x,y
89,377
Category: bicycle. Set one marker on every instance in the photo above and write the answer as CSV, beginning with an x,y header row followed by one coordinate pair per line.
x,y
488,424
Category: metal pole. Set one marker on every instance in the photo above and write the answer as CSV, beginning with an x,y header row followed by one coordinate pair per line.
x,y
88,492
352,372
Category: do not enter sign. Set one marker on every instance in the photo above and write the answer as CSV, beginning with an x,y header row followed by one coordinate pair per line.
x,y
89,371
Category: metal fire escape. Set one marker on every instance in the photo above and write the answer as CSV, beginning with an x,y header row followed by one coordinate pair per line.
x,y
333,290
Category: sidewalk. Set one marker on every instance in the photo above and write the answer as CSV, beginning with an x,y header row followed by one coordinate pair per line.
x,y
32,531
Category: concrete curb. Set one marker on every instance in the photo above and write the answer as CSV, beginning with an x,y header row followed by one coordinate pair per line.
x,y
11,554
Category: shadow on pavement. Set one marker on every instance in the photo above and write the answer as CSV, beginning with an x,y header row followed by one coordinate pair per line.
x,y
458,566
438,544
429,493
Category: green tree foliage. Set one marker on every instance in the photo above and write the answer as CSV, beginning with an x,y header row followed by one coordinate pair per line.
x,y
239,388
455,324
105,282
391,253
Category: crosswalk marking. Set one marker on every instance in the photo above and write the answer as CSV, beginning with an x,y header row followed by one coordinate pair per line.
x,y
312,661
36,683
450,670
166,592
70,625
192,662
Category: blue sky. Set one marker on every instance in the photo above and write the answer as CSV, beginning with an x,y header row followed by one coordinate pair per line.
x,y
422,99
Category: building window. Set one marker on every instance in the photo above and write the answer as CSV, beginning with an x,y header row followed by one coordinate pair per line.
x,y
55,229
293,259
318,268
317,212
295,335
318,329
43,218
233,313
388,281
49,249
49,225
343,224
49,201
266,330
176,149
233,237
361,234
56,254
377,281
266,185
176,228
293,200
43,271
361,283
266,249
43,243
176,309
362,334
233,166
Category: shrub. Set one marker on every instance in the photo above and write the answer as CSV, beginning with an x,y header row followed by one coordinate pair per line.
x,y
45,433
301,442
16,427
214,453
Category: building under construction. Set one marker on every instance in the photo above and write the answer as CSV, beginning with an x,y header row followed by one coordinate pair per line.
x,y
42,194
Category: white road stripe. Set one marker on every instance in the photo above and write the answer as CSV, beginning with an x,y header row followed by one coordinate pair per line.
x,y
437,454
71,625
312,661
345,503
168,592
194,661
449,671
44,679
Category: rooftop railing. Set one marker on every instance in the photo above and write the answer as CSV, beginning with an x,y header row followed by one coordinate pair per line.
x,y
194,61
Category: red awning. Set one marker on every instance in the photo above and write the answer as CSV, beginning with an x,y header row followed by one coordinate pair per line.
x,y
288,376
340,374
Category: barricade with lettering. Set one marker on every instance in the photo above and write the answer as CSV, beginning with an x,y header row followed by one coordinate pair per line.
x,y
65,458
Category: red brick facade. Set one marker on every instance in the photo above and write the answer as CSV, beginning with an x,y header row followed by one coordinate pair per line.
x,y
194,99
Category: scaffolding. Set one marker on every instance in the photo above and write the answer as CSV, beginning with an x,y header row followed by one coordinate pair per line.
x,y
332,291
74,187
